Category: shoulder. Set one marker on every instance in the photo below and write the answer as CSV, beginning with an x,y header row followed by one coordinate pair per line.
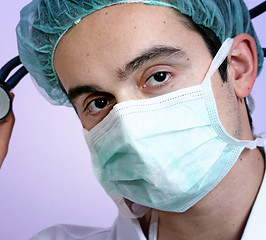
x,y
71,232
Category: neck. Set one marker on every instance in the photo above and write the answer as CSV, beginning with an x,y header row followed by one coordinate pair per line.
x,y
223,213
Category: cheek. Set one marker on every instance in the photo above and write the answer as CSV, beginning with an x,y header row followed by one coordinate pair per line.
x,y
227,106
84,122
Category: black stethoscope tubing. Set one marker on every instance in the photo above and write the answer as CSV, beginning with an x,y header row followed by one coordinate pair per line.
x,y
258,10
6,86
16,77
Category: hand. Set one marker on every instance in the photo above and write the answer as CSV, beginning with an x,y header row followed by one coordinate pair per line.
x,y
5,133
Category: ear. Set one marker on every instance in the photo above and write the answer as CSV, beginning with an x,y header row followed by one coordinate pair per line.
x,y
243,64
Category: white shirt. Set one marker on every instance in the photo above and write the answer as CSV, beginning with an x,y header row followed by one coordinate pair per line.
x,y
129,229
256,224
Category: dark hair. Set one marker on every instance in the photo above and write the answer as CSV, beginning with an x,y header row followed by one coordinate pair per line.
x,y
213,43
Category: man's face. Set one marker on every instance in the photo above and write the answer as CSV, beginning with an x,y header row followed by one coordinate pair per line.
x,y
134,51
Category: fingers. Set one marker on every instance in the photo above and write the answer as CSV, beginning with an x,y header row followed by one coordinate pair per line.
x,y
6,128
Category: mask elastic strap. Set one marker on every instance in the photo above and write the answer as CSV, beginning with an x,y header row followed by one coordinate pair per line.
x,y
153,229
220,57
258,142
139,210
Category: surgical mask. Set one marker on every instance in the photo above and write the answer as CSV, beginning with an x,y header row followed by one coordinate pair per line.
x,y
165,152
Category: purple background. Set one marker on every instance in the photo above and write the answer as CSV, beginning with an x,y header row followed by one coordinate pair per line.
x,y
46,179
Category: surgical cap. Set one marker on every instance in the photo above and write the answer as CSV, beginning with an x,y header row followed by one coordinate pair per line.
x,y
44,22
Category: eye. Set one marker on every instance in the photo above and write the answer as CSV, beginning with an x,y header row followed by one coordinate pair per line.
x,y
97,104
157,79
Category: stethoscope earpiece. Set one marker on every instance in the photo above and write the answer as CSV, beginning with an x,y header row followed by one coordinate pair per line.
x,y
7,85
5,103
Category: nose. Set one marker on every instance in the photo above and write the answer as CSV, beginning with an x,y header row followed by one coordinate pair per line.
x,y
127,93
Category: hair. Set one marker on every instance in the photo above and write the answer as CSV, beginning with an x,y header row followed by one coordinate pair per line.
x,y
213,43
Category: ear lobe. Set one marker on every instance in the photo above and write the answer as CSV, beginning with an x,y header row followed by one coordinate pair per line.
x,y
243,64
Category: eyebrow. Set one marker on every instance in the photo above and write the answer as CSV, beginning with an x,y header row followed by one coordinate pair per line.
x,y
79,90
150,54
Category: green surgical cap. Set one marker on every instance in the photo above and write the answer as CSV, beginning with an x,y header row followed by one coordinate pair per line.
x,y
44,22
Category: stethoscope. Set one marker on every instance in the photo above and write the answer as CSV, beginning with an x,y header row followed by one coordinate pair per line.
x,y
7,85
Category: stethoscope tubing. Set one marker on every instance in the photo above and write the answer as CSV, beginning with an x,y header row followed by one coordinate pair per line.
x,y
16,77
258,10
7,86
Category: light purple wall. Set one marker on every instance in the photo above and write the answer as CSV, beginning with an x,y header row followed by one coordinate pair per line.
x,y
46,178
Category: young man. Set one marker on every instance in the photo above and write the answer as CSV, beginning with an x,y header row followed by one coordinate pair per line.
x,y
170,136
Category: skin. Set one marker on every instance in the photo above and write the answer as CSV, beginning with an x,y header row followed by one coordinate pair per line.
x,y
93,55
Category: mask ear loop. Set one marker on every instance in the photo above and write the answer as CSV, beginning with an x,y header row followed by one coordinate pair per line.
x,y
254,12
153,230
220,57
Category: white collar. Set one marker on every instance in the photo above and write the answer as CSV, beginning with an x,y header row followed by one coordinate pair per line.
x,y
256,224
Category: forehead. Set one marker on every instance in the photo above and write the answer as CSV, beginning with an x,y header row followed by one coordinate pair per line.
x,y
119,22
113,35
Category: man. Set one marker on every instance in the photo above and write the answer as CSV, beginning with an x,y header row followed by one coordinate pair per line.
x,y
132,60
